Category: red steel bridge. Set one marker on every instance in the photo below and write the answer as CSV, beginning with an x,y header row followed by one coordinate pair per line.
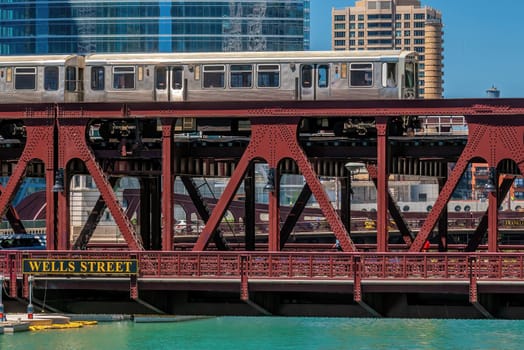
x,y
273,276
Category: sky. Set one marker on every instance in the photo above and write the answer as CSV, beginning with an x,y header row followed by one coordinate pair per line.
x,y
483,43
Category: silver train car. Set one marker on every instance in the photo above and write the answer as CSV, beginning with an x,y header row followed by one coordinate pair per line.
x,y
331,75
49,78
197,77
251,76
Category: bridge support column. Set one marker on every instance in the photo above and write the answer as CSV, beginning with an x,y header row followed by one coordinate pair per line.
x,y
250,208
167,185
382,184
244,286
357,288
443,223
493,216
473,290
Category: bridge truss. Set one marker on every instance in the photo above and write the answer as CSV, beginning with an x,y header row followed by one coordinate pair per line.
x,y
54,142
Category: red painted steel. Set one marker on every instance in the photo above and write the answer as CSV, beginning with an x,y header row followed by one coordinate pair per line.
x,y
274,140
299,265
167,185
491,139
496,133
72,145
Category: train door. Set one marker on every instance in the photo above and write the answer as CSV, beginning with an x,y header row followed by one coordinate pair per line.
x,y
314,81
169,83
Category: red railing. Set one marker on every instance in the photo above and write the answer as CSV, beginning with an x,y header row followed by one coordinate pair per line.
x,y
297,266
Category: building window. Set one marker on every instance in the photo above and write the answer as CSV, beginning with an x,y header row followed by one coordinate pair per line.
x,y
407,16
51,78
340,26
241,75
268,75
340,17
25,78
341,42
352,42
418,33
340,34
361,74
360,17
97,78
214,77
407,33
407,25
352,17
407,42
124,77
418,16
360,34
419,41
419,24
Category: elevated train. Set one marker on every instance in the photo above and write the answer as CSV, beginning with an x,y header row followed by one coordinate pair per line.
x,y
195,77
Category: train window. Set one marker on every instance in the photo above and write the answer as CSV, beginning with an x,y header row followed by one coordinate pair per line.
x,y
268,75
124,77
178,77
25,78
241,76
97,78
70,79
410,75
161,74
214,76
51,78
307,76
323,76
389,74
361,74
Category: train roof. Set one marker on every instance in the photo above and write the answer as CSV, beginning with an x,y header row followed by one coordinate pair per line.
x,y
36,59
259,56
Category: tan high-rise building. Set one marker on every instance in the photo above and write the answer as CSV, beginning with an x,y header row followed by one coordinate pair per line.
x,y
395,24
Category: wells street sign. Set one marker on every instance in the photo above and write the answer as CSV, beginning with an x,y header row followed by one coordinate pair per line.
x,y
80,266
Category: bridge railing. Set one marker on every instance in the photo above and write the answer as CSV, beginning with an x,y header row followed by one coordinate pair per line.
x,y
296,266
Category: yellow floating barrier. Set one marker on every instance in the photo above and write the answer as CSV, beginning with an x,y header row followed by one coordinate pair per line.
x,y
70,325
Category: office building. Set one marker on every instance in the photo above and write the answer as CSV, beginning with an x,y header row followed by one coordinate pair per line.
x,y
395,24
87,26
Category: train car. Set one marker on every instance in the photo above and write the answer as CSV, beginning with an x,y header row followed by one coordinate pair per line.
x,y
331,75
48,78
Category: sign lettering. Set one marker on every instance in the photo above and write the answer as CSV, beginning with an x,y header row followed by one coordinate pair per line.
x,y
77,266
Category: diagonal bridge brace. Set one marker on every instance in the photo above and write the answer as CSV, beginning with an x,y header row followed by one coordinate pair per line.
x,y
72,144
491,139
274,139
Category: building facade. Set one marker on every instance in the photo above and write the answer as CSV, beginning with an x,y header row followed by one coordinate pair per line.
x,y
87,26
395,24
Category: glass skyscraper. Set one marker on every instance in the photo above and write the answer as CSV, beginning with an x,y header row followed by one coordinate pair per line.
x,y
87,26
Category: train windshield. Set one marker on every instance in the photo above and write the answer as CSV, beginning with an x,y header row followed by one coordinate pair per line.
x,y
410,75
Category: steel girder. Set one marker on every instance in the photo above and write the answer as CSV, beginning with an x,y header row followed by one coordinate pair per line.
x,y
56,135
